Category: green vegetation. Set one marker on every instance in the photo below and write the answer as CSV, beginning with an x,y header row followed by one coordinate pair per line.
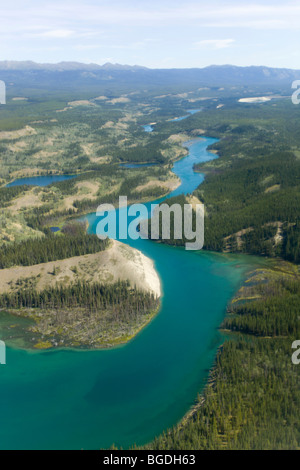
x,y
81,294
261,198
75,135
7,194
83,314
181,200
252,400
275,313
251,196
252,200
51,248
252,192
150,154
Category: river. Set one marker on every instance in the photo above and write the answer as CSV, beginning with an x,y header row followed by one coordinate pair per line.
x,y
68,399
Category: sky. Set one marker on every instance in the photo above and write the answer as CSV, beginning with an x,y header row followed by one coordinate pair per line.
x,y
152,33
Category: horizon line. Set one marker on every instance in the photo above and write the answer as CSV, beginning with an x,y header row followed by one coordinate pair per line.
x,y
117,64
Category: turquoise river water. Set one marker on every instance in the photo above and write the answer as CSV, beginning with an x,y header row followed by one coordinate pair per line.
x,y
67,399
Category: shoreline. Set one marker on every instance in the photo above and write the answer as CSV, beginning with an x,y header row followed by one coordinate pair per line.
x,y
206,382
105,347
273,270
37,329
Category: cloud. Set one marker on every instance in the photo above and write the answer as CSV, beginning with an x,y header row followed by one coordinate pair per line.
x,y
86,47
214,44
61,34
63,19
232,15
148,32
56,34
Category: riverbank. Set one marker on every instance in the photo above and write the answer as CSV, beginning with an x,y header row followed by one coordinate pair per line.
x,y
53,328
130,394
240,407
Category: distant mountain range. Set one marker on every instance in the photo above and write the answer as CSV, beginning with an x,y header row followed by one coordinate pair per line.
x,y
64,66
65,75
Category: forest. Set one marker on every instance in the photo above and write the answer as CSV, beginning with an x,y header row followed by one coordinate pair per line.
x,y
252,191
252,200
79,315
127,302
252,399
251,195
52,247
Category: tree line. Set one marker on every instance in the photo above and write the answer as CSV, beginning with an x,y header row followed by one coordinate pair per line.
x,y
252,400
52,247
126,303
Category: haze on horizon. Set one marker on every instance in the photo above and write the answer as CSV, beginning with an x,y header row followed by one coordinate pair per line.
x,y
156,34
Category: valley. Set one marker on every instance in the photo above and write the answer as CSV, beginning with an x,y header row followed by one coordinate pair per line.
x,y
65,294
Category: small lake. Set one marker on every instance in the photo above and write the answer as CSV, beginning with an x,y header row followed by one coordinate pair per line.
x,y
148,128
181,118
44,180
